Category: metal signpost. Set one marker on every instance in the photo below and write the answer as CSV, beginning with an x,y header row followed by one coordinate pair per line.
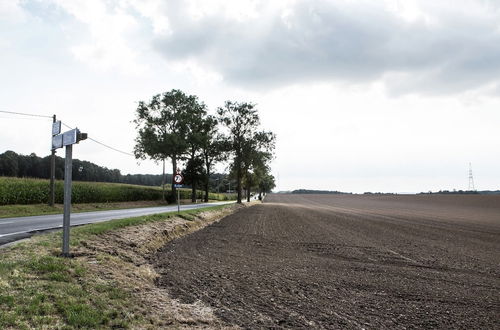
x,y
67,139
178,181
56,129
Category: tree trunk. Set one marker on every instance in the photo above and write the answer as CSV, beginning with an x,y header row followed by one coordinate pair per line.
x,y
207,183
193,181
174,171
248,192
238,183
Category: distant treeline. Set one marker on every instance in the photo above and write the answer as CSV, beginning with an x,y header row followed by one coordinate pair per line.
x,y
307,191
32,166
465,192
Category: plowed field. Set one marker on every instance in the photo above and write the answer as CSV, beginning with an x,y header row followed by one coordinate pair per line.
x,y
345,261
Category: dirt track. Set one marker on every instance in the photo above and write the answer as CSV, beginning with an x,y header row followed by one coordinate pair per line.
x,y
327,261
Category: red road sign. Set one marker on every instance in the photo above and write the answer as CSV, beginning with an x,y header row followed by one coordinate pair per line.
x,y
178,178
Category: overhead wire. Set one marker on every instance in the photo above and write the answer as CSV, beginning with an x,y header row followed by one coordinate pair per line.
x,y
103,144
25,114
44,116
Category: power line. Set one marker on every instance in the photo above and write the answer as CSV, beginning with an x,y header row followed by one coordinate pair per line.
x,y
118,150
23,118
104,145
25,114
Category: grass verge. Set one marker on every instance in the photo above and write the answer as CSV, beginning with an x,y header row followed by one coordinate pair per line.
x,y
107,283
8,211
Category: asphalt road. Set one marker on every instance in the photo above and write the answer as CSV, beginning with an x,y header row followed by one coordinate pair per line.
x,y
12,229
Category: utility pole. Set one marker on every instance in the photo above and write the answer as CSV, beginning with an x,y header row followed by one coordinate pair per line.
x,y
53,166
471,179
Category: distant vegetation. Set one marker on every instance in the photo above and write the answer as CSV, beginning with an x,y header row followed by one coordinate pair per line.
x,y
465,192
13,164
35,191
32,166
308,191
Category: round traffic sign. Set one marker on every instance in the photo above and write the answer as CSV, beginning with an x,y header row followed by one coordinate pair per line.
x,y
178,178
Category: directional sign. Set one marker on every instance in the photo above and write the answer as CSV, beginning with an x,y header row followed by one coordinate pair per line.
x,y
56,128
69,137
57,142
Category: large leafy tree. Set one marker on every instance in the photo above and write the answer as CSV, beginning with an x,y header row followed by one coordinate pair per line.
x,y
244,138
266,184
256,158
213,148
163,127
194,172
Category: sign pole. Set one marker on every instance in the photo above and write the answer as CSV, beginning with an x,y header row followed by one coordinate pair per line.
x,y
178,201
68,166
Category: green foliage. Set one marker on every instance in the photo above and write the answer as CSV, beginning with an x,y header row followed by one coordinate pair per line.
x,y
32,166
35,191
250,148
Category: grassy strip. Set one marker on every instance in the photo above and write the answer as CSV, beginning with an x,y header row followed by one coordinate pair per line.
x,y
11,211
8,211
39,289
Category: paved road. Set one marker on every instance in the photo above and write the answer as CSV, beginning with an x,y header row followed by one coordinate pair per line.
x,y
12,229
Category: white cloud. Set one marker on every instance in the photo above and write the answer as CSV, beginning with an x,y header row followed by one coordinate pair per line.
x,y
448,48
11,11
110,28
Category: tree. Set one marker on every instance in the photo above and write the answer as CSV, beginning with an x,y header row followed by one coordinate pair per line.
x,y
162,127
194,168
213,148
242,121
9,165
267,184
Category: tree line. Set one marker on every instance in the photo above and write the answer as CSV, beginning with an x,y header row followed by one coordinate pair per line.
x,y
178,127
33,166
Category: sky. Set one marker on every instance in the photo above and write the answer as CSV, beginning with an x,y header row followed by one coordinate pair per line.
x,y
383,96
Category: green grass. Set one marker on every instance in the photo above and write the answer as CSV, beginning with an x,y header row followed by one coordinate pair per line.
x,y
40,289
7,211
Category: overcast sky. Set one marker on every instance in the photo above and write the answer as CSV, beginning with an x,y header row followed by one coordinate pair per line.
x,y
391,96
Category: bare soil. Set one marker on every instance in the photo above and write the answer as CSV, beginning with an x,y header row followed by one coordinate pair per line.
x,y
121,257
344,261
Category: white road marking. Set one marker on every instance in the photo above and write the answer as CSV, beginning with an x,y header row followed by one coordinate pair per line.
x,y
6,222
10,234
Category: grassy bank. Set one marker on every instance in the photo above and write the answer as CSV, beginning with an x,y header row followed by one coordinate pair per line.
x,y
107,283
8,211
22,191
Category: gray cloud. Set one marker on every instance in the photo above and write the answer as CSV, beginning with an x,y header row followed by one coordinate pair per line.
x,y
353,42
